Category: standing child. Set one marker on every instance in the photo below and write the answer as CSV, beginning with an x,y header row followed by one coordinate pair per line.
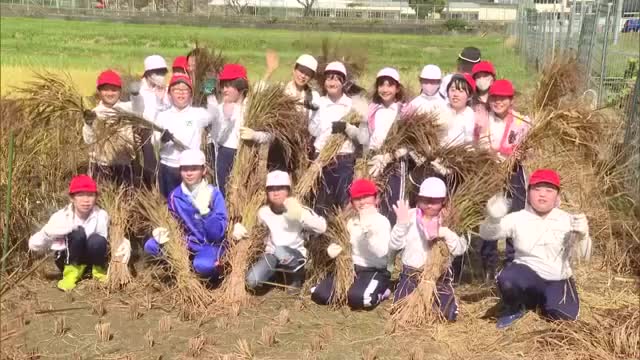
x,y
183,124
201,210
328,120
78,235
235,86
153,86
505,129
111,160
287,220
467,59
544,238
457,117
484,74
369,234
429,98
415,232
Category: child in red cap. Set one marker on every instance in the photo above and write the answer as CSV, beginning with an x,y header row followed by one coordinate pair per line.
x,y
544,238
369,233
484,74
78,235
111,159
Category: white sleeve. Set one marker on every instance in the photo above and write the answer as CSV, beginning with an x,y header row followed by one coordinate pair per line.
x,y
137,104
314,124
313,222
39,241
492,229
102,227
213,112
398,238
88,135
585,248
378,240
457,244
469,128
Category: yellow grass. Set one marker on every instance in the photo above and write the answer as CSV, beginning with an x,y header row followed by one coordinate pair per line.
x,y
13,76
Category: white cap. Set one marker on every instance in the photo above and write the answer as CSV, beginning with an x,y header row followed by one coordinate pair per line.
x,y
389,72
308,61
154,62
190,157
336,66
278,178
431,72
433,187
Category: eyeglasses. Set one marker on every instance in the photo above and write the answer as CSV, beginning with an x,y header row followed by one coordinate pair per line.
x,y
180,90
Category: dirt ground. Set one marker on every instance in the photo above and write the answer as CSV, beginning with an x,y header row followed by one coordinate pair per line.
x,y
41,322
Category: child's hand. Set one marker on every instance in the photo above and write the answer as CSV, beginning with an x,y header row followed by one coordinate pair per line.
x,y
334,250
239,231
402,212
294,209
161,235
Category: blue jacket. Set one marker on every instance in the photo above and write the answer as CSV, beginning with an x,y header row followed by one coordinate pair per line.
x,y
200,230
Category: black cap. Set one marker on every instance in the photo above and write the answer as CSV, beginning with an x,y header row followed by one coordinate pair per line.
x,y
470,54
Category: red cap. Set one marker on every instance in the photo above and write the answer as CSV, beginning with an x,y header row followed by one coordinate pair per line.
x,y
361,188
82,183
232,72
180,62
466,77
109,77
501,87
483,66
547,176
180,78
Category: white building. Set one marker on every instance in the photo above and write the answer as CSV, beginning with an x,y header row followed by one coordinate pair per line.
x,y
482,11
330,8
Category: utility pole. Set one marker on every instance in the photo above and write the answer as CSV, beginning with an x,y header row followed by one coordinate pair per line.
x,y
616,23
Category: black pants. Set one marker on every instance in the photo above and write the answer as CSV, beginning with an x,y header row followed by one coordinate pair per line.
x,y
169,179
224,165
118,174
149,160
367,291
334,187
83,250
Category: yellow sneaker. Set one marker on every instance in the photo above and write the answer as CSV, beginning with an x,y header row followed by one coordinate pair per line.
x,y
71,274
99,273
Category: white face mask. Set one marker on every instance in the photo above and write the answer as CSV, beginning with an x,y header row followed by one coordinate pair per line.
x,y
156,80
483,83
430,89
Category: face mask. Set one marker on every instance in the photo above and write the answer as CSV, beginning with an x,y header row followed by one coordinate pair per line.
x,y
156,80
430,89
483,84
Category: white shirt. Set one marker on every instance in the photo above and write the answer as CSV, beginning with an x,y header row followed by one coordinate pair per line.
x,y
383,120
369,238
96,223
321,124
291,90
424,103
539,242
459,125
417,247
283,232
212,102
187,126
227,129
496,131
153,103
120,148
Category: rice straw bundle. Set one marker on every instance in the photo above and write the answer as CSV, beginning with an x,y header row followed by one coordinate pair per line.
x,y
466,160
189,291
419,132
309,181
561,79
343,271
118,203
420,307
209,63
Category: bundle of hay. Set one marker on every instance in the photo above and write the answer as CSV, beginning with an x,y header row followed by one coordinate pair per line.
x,y
209,63
118,203
189,291
562,78
419,132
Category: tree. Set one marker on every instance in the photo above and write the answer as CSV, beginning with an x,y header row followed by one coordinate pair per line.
x,y
425,7
307,6
237,6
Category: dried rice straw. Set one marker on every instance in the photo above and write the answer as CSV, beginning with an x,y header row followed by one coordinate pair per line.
x,y
208,63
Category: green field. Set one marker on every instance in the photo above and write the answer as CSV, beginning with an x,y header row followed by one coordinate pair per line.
x,y
84,48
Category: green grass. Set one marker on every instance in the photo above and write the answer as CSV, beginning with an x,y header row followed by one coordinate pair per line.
x,y
92,46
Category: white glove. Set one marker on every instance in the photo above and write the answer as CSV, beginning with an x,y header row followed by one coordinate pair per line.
x,y
400,152
580,224
439,167
294,209
161,235
402,212
378,163
247,133
351,131
59,225
202,200
239,231
498,206
124,251
448,235
334,250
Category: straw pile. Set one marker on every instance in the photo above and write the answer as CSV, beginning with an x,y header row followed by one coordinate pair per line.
x,y
419,132
420,307
209,63
562,78
117,201
189,291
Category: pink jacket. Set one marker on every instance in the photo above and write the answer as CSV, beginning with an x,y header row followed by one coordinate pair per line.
x,y
517,126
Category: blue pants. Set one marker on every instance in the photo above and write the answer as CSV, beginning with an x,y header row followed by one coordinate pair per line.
x,y
83,250
520,287
224,164
169,179
391,195
445,299
265,268
334,188
368,290
518,195
205,258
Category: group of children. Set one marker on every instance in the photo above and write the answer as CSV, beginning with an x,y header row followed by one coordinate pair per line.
x,y
471,104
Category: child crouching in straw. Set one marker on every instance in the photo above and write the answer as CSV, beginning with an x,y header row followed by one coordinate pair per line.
x,y
78,235
369,233
202,213
544,238
287,221
416,231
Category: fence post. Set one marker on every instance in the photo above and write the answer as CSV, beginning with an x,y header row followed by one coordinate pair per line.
x,y
567,42
603,63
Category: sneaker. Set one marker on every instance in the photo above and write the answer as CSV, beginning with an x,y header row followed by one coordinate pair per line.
x,y
505,321
71,274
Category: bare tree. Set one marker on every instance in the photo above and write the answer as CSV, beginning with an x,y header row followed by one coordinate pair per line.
x,y
307,6
237,6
